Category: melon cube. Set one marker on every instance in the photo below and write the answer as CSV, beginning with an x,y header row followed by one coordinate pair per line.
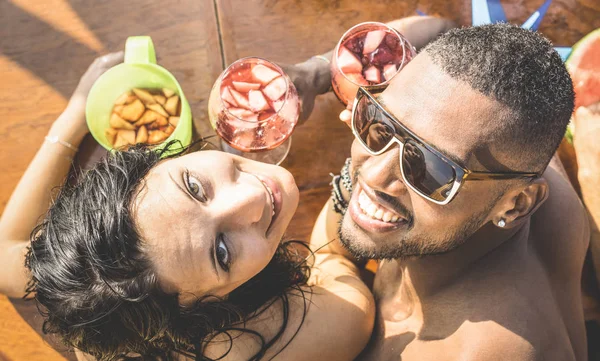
x,y
373,75
389,71
263,74
373,40
348,62
245,87
257,101
226,96
275,89
240,99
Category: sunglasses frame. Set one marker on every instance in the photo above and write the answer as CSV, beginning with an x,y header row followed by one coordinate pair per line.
x,y
462,174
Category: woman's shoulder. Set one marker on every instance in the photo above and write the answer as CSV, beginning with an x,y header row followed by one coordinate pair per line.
x,y
319,317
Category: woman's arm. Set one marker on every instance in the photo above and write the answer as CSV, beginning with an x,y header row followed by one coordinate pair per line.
x,y
48,169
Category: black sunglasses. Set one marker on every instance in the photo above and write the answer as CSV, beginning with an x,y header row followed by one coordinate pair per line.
x,y
424,169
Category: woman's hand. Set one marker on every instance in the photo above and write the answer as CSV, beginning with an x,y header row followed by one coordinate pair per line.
x,y
71,124
311,78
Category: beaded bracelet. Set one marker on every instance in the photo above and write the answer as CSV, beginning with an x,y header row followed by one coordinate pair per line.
x,y
339,203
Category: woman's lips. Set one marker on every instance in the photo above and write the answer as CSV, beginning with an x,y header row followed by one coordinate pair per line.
x,y
275,195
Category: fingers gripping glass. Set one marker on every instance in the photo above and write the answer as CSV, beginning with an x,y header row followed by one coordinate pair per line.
x,y
424,169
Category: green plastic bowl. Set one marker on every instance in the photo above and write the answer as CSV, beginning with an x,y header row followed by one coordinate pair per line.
x,y
138,71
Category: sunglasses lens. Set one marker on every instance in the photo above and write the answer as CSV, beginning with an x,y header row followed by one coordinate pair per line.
x,y
427,172
371,125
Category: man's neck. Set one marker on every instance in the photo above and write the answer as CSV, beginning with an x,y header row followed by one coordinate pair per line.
x,y
418,279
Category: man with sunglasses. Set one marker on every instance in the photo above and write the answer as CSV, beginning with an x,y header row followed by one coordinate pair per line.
x,y
452,185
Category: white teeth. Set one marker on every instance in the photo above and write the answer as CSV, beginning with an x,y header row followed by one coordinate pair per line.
x,y
387,217
374,211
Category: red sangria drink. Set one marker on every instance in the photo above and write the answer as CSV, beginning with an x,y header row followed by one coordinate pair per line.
x,y
254,107
368,54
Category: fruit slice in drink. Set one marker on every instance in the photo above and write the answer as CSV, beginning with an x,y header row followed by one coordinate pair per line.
x,y
367,54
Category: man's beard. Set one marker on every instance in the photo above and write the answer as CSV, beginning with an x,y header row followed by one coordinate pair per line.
x,y
411,246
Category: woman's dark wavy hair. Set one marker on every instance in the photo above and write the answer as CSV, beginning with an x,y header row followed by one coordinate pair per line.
x,y
98,292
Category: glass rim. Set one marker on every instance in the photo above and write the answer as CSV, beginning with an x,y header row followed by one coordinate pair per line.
x,y
277,68
366,23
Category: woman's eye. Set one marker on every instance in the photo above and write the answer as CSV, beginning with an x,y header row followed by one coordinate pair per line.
x,y
195,187
223,254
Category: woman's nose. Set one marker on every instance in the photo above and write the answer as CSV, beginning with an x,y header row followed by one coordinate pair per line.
x,y
244,204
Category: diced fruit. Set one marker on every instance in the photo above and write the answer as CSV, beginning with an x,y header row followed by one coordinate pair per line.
x,y
264,74
144,96
241,113
276,88
357,79
373,75
245,87
118,109
168,92
133,111
160,99
142,135
226,95
174,121
257,101
389,71
156,136
348,62
171,105
122,98
159,109
119,123
127,135
111,135
277,105
240,99
373,40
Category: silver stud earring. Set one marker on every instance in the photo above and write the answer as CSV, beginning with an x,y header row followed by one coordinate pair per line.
x,y
501,223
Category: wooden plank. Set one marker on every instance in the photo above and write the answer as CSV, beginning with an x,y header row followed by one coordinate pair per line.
x,y
44,49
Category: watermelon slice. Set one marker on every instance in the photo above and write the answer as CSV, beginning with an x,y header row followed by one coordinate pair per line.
x,y
373,40
584,66
348,62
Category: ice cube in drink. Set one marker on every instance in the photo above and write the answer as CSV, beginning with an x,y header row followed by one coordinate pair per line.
x,y
368,54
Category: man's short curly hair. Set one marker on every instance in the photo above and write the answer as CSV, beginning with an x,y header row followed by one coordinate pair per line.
x,y
520,69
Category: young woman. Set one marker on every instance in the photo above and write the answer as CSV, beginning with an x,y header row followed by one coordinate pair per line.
x,y
176,258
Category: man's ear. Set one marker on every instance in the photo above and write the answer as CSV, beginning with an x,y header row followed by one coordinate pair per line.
x,y
519,206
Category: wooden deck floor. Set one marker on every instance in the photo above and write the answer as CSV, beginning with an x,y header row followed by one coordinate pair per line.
x,y
45,46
